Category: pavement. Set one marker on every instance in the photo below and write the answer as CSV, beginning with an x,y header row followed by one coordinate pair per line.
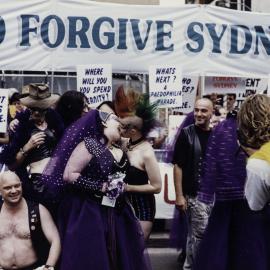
x,y
162,257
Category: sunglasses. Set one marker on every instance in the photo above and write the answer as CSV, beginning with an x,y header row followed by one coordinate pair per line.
x,y
36,109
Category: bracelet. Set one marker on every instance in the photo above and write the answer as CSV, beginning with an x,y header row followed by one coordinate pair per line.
x,y
23,152
49,267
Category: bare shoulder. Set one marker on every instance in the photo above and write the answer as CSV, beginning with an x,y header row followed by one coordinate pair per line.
x,y
147,150
43,211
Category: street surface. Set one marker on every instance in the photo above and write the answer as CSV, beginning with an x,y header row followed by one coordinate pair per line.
x,y
164,258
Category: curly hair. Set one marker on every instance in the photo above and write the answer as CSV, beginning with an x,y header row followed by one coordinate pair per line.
x,y
254,121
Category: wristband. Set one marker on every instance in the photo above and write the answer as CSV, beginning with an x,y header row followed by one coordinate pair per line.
x,y
49,267
23,152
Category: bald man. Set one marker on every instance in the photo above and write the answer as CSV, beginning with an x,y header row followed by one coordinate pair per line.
x,y
24,229
189,151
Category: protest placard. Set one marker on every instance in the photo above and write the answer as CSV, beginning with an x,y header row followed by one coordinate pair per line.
x,y
3,110
189,90
252,86
95,81
165,85
224,85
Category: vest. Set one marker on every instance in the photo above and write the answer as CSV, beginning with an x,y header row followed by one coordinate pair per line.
x,y
191,170
39,240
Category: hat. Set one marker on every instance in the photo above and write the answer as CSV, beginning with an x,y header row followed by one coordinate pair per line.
x,y
12,91
39,96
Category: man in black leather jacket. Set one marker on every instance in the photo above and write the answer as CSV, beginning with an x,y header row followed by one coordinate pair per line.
x,y
187,159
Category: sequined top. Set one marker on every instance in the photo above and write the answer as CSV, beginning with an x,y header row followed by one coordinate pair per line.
x,y
224,170
101,165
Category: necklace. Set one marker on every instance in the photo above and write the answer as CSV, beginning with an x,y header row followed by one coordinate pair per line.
x,y
114,145
132,144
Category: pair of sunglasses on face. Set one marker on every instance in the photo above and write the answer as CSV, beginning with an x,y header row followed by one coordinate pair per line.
x,y
37,110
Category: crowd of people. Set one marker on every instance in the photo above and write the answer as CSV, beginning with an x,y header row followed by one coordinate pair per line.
x,y
79,184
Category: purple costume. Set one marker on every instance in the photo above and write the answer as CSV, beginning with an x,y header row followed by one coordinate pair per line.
x,y
93,236
233,239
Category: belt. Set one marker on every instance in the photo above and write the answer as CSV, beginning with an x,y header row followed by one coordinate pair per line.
x,y
97,197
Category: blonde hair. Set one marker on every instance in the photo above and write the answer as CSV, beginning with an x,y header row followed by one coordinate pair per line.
x,y
254,121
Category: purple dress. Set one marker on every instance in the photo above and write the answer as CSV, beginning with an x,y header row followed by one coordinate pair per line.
x,y
95,236
234,238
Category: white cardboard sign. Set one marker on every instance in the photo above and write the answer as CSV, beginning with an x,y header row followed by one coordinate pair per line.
x,y
95,81
165,85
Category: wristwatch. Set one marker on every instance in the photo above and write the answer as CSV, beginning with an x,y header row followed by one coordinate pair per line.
x,y
48,267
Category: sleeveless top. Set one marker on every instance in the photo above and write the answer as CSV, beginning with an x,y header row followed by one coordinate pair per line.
x,y
143,203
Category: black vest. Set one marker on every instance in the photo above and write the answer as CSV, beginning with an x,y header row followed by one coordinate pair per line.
x,y
191,170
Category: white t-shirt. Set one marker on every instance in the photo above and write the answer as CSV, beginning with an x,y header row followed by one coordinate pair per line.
x,y
257,189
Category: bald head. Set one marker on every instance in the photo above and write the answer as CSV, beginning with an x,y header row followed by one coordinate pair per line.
x,y
8,176
10,188
203,112
206,102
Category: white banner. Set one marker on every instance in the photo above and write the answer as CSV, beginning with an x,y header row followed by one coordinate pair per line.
x,y
95,81
61,34
3,110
